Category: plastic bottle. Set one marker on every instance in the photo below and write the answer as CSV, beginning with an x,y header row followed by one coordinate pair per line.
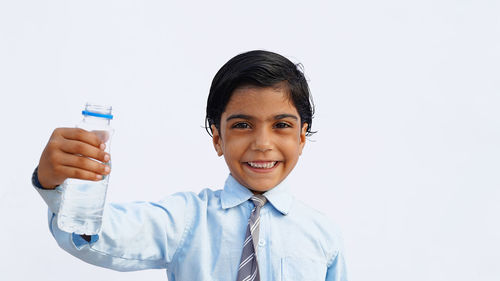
x,y
82,202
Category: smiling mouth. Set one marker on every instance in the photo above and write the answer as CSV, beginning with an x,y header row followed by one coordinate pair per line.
x,y
262,164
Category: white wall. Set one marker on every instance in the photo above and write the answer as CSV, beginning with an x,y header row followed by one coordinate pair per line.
x,y
406,160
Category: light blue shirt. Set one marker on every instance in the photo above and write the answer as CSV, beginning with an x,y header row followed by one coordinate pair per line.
x,y
200,236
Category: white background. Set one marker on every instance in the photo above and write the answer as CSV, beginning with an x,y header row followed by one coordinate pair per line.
x,y
406,160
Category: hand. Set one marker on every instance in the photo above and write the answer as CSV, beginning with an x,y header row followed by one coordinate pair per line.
x,y
67,154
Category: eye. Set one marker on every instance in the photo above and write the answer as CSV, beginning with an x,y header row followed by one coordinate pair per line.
x,y
282,125
241,125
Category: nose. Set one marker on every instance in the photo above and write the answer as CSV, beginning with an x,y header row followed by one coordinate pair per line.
x,y
262,140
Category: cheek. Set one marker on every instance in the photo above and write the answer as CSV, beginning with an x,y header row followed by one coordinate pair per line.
x,y
233,148
291,147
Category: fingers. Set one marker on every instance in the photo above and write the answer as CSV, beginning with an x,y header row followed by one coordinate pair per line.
x,y
67,155
81,167
78,134
85,149
77,173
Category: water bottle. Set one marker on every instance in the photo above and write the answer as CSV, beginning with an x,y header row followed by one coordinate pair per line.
x,y
82,202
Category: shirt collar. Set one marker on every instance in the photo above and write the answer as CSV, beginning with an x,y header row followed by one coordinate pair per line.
x,y
234,194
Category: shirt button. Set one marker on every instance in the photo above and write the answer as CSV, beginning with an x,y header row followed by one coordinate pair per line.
x,y
262,243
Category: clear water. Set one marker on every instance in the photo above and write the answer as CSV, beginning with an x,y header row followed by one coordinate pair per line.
x,y
82,206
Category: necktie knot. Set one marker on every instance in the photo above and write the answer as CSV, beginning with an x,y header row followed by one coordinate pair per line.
x,y
259,200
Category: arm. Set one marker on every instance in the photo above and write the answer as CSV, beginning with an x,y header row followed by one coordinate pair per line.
x,y
134,236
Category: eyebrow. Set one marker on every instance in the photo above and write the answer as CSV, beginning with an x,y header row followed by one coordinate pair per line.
x,y
248,117
285,115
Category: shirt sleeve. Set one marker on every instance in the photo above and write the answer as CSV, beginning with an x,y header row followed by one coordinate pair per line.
x,y
337,268
52,197
134,236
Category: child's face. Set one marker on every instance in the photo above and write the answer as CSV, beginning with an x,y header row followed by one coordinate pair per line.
x,y
260,137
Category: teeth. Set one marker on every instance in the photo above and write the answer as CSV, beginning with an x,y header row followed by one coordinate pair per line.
x,y
262,165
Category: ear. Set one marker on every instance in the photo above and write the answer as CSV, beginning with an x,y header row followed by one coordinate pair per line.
x,y
216,139
302,140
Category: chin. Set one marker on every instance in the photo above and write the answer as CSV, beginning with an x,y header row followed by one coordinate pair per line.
x,y
262,187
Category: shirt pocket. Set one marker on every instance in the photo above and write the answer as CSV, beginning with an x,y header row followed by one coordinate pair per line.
x,y
303,269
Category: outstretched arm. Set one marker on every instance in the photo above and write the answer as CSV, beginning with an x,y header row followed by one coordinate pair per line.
x,y
134,236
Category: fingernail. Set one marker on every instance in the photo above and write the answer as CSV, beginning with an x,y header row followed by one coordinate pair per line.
x,y
106,158
98,177
107,169
102,146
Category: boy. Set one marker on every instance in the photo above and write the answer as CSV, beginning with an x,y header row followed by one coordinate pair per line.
x,y
258,114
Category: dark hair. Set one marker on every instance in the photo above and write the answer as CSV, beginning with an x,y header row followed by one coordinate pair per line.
x,y
262,69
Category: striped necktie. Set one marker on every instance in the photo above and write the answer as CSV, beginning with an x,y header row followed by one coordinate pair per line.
x,y
249,269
